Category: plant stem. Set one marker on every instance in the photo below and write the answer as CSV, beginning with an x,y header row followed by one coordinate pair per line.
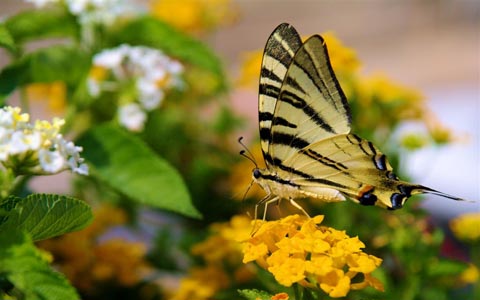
x,y
24,100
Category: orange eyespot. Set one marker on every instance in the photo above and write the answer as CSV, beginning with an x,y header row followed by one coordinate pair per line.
x,y
366,195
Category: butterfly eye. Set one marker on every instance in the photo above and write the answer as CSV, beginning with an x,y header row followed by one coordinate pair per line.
x,y
256,173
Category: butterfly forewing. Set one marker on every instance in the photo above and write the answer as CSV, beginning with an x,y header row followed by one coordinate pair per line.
x,y
311,105
280,49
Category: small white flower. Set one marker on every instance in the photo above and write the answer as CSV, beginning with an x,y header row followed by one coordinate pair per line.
x,y
99,11
77,6
23,142
110,58
51,161
150,95
82,169
152,100
93,87
41,3
132,117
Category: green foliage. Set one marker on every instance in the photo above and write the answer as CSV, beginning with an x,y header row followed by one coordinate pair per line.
x,y
255,294
45,65
27,271
44,216
6,40
129,166
39,24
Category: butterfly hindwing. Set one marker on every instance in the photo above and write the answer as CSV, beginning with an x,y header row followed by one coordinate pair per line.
x,y
351,165
280,49
356,168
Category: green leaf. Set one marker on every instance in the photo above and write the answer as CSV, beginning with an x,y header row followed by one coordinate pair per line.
x,y
45,216
152,32
254,294
6,40
39,24
127,164
58,62
446,267
24,267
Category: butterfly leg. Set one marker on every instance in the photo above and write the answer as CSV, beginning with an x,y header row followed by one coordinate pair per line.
x,y
295,204
265,201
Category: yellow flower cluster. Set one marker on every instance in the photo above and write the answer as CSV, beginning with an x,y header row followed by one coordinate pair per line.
x,y
221,251
296,249
467,227
54,93
88,263
342,58
194,16
470,275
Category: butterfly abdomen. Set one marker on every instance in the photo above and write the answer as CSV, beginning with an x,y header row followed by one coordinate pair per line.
x,y
288,189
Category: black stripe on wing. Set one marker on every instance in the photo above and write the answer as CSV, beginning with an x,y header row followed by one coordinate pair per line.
x,y
279,51
280,138
297,102
317,51
278,163
379,159
324,160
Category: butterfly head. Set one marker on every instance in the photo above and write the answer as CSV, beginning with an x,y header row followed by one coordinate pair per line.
x,y
264,178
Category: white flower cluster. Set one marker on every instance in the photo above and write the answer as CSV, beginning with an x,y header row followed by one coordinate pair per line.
x,y
36,149
92,11
151,72
42,3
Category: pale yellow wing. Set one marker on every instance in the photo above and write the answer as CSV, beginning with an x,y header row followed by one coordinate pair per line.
x,y
311,105
279,51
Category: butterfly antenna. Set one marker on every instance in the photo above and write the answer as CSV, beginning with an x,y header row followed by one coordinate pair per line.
x,y
246,153
246,192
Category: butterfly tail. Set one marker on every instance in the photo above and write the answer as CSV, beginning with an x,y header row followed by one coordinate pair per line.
x,y
420,189
405,190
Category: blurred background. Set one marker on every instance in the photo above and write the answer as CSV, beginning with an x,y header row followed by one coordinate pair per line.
x,y
392,58
431,46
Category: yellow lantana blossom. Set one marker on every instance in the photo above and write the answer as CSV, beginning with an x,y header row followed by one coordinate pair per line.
x,y
220,251
53,93
202,283
470,275
405,102
250,69
467,227
343,59
296,249
194,16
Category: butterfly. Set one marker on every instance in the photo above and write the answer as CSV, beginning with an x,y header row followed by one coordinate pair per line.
x,y
305,123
